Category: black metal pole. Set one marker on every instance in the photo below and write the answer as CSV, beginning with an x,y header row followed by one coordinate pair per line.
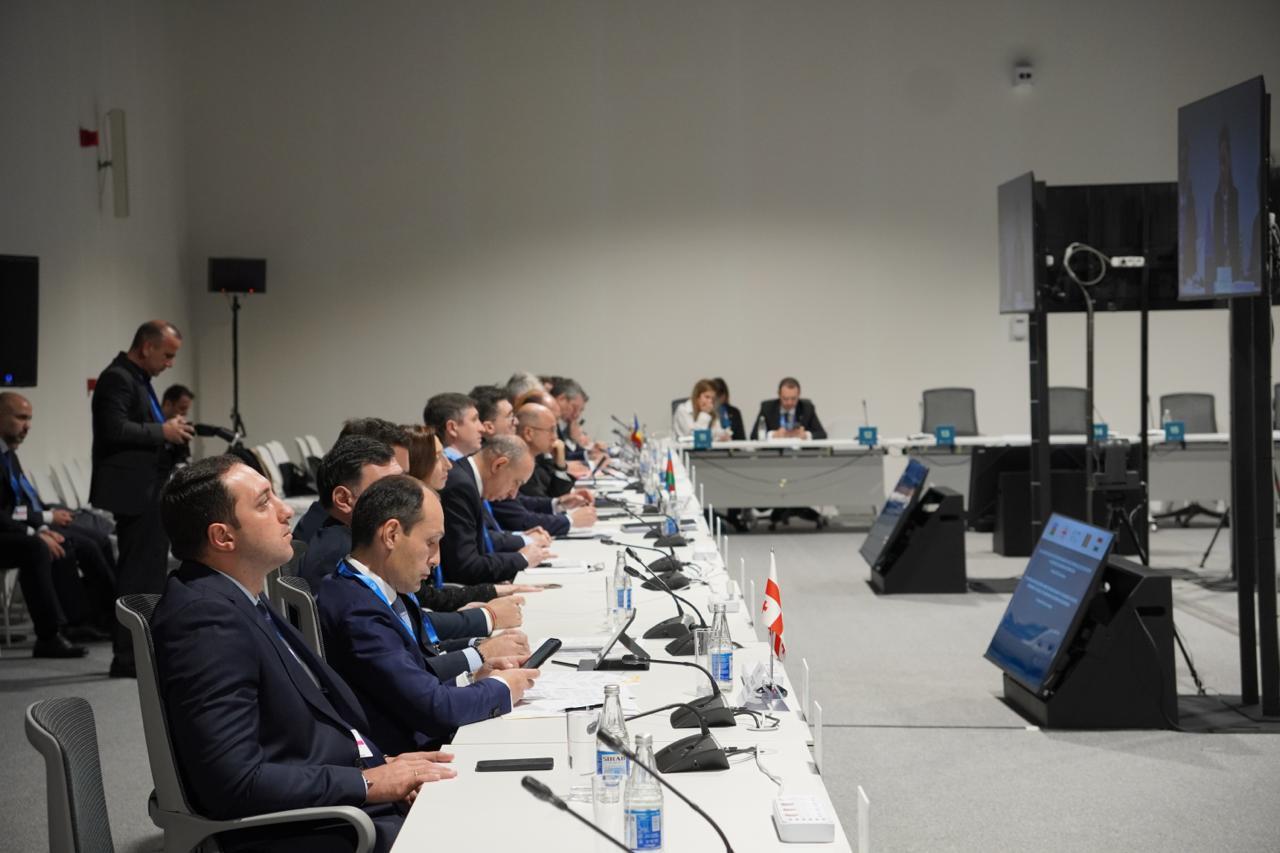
x,y
1243,510
1038,352
1090,446
237,423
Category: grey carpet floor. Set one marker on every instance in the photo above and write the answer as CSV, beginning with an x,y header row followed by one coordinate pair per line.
x,y
913,716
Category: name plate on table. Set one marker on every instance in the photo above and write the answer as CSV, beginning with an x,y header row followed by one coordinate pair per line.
x,y
945,435
867,436
1175,430
702,439
1100,432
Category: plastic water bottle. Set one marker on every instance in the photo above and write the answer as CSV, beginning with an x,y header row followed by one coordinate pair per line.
x,y
721,647
621,591
762,430
643,801
669,510
612,720
1168,416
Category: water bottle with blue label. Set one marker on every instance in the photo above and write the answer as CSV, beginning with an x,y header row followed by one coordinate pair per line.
x,y
643,801
621,590
721,647
669,510
612,720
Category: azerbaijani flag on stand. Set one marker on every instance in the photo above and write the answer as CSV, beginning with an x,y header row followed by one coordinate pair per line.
x,y
671,473
772,609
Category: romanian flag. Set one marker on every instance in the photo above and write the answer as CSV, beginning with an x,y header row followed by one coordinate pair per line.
x,y
671,473
637,437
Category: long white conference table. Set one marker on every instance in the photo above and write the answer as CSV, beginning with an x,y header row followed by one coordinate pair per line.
x,y
845,474
494,807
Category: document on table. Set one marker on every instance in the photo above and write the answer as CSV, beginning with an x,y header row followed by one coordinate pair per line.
x,y
553,692
560,566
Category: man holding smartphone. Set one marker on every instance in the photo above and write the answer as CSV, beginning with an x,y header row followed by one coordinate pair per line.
x,y
375,634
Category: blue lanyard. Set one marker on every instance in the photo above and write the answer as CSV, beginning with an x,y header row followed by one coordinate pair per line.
x,y
438,577
20,485
347,571
725,421
155,405
484,527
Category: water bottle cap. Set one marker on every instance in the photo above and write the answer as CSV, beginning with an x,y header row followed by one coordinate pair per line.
x,y
610,690
643,740
718,607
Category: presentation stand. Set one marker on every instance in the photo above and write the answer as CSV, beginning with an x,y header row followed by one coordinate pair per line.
x,y
927,556
1116,676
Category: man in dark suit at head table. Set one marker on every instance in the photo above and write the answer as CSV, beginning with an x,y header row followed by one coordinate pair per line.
x,y
133,453
376,636
789,416
260,723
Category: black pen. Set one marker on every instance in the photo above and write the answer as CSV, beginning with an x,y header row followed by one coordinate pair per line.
x,y
586,708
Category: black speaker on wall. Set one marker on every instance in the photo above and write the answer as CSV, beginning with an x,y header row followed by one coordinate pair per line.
x,y
20,320
237,275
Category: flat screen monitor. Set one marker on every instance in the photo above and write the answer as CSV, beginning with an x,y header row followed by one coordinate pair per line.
x,y
1049,602
19,320
896,509
1222,188
1015,207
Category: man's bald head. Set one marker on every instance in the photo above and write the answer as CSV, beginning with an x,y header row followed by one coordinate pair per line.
x,y
536,424
15,417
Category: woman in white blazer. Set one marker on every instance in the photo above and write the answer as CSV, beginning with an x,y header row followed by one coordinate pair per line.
x,y
699,412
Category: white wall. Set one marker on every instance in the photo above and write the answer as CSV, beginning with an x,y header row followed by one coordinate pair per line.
x,y
61,64
447,192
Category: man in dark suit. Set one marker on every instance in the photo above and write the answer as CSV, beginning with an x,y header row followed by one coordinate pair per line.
x,y
469,553
83,562
132,456
354,464
542,502
176,402
375,634
259,723
789,416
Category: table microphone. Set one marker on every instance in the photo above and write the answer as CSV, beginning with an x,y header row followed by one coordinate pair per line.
x,y
708,710
670,570
617,745
672,627
673,540
542,792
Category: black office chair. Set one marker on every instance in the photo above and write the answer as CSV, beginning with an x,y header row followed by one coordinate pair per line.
x,y
955,407
675,404
64,732
1068,414
1196,411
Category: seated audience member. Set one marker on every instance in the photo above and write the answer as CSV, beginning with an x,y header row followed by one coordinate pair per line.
x,y
176,403
558,514
457,424
572,401
77,560
258,722
521,383
699,412
536,424
730,415
376,638
375,428
468,552
493,407
789,416
352,465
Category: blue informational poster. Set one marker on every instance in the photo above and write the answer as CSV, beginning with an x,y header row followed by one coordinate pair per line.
x,y
1049,601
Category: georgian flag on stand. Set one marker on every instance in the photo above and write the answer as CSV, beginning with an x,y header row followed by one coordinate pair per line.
x,y
772,609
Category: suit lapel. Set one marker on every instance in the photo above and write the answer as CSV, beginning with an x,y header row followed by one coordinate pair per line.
x,y
304,685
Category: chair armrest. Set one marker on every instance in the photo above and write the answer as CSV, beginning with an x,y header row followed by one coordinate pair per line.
x,y
360,821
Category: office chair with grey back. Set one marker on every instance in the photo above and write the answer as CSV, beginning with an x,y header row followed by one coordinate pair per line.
x,y
63,731
300,609
168,806
955,407
1196,411
289,569
1068,414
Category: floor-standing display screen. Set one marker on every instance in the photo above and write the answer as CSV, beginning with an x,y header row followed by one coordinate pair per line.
x,y
1049,601
1221,189
1015,207
896,509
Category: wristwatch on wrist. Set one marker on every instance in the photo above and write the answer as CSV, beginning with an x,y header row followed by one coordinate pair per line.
x,y
368,785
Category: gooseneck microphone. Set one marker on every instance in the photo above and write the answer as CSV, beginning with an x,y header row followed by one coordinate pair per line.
x,y
673,540
669,628
616,744
542,792
710,710
667,565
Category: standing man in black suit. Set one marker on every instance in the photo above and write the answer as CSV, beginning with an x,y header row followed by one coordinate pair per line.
x,y
789,416
133,453
260,723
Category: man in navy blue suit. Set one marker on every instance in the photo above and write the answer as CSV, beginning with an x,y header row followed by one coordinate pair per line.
x,y
375,635
259,723
536,426
469,552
